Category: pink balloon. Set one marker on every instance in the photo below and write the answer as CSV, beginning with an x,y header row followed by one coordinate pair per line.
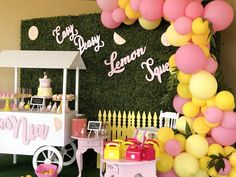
x,y
194,9
118,15
151,9
223,136
219,13
178,103
173,9
190,58
183,25
211,65
173,147
210,140
107,20
108,5
135,4
227,168
170,173
213,114
229,120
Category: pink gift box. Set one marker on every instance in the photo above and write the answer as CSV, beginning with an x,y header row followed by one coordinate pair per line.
x,y
148,152
134,152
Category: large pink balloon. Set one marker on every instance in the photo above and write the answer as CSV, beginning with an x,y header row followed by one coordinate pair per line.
x,y
183,25
219,13
223,136
170,173
211,65
213,114
135,4
190,58
108,5
118,15
151,9
229,120
194,9
173,9
173,147
178,103
107,20
227,168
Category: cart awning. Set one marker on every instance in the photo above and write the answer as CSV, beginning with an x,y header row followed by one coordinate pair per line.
x,y
41,59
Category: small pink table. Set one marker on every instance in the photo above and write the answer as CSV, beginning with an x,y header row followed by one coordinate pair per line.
x,y
127,168
84,143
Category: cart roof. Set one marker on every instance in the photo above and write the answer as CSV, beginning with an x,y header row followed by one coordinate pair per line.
x,y
41,59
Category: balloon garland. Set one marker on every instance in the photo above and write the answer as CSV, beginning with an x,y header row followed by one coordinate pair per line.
x,y
207,115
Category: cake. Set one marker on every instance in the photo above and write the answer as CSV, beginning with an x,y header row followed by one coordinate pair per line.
x,y
44,86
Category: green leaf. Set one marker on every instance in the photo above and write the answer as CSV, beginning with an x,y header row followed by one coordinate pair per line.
x,y
213,156
220,165
188,131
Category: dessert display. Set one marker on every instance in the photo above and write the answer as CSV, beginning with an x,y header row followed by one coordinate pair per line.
x,y
58,97
44,86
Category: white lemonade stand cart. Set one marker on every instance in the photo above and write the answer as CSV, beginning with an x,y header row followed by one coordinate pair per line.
x,y
45,135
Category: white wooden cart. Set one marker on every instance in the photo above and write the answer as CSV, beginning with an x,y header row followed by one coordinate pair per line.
x,y
45,135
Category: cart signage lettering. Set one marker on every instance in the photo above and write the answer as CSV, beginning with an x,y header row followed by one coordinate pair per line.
x,y
29,132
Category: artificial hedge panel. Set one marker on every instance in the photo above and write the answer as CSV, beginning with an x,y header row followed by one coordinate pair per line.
x,y
128,90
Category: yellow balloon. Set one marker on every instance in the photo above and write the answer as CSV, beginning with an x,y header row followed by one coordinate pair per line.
x,y
123,3
198,102
175,38
200,39
203,109
201,173
181,124
232,159
215,149
164,134
149,25
225,100
222,176
206,51
165,162
186,165
130,13
203,162
212,125
183,90
212,171
211,102
200,127
181,138
203,85
190,110
129,21
228,150
232,172
196,145
172,64
200,26
183,77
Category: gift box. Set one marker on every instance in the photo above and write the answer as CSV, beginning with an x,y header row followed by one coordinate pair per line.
x,y
134,152
155,145
148,152
124,148
112,151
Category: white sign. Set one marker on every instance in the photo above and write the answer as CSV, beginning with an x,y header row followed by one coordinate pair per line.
x,y
118,66
156,71
79,42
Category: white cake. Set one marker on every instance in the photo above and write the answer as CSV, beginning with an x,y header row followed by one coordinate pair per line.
x,y
44,86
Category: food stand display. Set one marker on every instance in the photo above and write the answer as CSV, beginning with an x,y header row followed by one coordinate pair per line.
x,y
45,135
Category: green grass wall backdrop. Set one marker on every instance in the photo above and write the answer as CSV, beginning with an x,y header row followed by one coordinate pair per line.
x,y
128,90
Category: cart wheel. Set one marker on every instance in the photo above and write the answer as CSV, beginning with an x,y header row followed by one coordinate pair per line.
x,y
68,153
48,155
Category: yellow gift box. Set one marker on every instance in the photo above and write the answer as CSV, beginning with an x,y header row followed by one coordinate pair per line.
x,y
112,151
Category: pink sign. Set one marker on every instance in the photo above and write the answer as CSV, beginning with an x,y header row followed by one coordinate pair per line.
x,y
29,132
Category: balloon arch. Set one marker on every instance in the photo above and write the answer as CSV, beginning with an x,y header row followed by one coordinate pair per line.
x,y
206,134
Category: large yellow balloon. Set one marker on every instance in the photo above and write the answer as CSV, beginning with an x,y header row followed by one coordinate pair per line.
x,y
175,38
186,165
200,39
203,162
165,162
232,172
198,102
181,123
183,90
123,3
232,159
196,145
212,171
149,25
183,77
201,173
228,150
215,149
200,26
181,138
164,134
225,100
203,85
190,110
130,13
200,126
211,102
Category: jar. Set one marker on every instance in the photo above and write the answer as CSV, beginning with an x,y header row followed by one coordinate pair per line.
x,y
79,125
